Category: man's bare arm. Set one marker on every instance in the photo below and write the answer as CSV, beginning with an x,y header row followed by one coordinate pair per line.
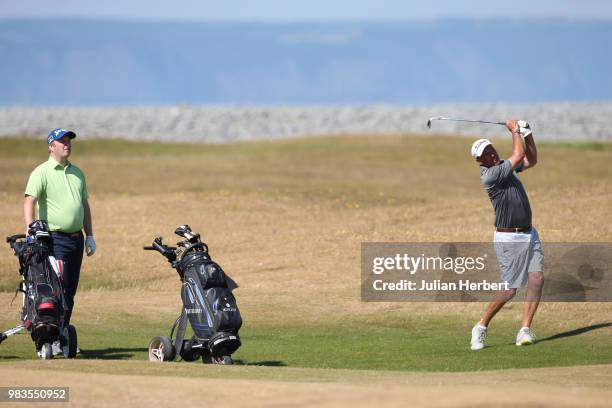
x,y
29,210
518,150
531,153
87,225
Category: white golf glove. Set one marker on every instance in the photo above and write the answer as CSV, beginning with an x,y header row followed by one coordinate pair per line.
x,y
90,245
524,128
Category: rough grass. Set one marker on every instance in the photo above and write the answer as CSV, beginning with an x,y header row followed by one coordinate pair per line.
x,y
375,170
300,206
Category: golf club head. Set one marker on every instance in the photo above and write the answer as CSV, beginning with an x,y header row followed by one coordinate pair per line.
x,y
434,118
186,232
182,230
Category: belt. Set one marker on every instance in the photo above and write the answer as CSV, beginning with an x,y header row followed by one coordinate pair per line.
x,y
67,234
513,229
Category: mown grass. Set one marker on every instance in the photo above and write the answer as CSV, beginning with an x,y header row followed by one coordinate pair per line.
x,y
432,344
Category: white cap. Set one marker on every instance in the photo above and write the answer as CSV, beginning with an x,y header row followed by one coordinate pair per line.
x,y
479,146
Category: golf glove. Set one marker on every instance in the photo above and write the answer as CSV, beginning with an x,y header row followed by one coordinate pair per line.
x,y
90,245
524,128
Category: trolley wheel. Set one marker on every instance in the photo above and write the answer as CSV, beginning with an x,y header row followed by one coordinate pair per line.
x,y
221,360
161,350
71,342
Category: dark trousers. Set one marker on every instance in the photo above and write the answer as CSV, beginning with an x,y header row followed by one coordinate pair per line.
x,y
69,249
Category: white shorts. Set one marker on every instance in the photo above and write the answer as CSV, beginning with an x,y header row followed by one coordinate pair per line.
x,y
518,254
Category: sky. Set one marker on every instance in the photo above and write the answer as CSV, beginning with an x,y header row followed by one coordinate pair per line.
x,y
305,10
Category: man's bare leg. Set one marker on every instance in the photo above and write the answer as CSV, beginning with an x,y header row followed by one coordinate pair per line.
x,y
499,300
479,332
532,300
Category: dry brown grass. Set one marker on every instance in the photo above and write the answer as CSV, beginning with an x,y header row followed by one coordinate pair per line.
x,y
284,218
153,385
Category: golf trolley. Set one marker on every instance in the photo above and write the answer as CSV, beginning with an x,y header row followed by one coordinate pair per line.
x,y
43,307
208,305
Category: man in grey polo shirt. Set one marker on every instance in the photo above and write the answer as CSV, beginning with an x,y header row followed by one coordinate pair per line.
x,y
57,193
516,241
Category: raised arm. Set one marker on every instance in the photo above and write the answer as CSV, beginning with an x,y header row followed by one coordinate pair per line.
x,y
518,150
531,153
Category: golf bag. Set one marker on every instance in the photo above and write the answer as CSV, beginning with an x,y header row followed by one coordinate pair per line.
x,y
208,305
43,307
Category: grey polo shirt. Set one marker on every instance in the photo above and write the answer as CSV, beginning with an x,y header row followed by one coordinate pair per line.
x,y
507,195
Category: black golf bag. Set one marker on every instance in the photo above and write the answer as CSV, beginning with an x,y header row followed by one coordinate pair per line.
x,y
43,307
208,305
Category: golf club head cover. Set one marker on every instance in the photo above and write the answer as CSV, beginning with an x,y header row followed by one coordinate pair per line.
x,y
524,128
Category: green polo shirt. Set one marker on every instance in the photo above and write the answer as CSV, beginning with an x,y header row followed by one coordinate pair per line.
x,y
60,191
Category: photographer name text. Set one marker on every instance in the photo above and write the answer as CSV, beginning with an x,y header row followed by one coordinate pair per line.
x,y
438,285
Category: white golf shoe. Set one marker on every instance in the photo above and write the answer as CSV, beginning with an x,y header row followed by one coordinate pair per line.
x,y
479,335
525,337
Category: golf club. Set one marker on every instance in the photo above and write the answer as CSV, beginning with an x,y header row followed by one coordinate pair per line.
x,y
463,120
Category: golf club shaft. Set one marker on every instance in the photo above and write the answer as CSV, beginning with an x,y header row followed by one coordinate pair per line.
x,y
465,120
476,121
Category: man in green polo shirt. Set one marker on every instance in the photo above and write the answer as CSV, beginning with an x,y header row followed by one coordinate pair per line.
x,y
57,193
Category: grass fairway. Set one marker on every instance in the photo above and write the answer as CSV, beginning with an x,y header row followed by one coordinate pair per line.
x,y
285,219
389,341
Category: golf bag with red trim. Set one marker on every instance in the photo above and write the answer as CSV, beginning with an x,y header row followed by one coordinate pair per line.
x,y
43,307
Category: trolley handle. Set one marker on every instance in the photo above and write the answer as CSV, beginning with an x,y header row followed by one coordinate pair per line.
x,y
165,250
14,238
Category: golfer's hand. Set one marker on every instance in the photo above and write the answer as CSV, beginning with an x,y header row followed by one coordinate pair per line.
x,y
90,245
524,128
513,126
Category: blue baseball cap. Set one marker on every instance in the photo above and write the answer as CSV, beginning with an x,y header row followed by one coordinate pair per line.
x,y
58,133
